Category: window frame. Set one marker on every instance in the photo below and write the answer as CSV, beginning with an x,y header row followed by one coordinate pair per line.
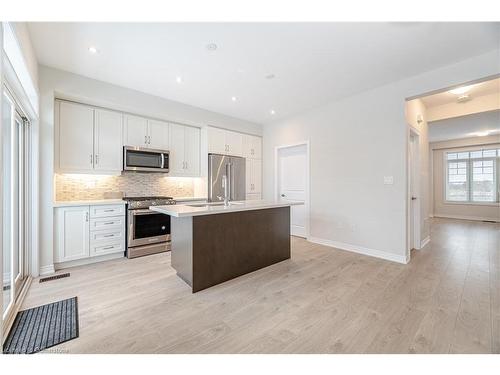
x,y
469,166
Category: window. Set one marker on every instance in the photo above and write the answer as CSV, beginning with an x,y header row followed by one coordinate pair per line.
x,y
472,176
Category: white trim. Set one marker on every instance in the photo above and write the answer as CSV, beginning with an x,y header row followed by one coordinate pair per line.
x,y
462,217
85,261
425,241
14,308
47,270
404,259
308,181
413,132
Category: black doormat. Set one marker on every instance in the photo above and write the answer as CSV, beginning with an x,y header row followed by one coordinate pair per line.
x,y
44,326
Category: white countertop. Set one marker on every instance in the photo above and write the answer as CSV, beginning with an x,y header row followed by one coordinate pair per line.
x,y
189,199
98,202
184,210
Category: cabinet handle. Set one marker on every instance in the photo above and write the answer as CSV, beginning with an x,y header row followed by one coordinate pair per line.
x,y
146,139
97,159
108,223
86,216
149,139
91,159
110,210
186,165
109,235
107,247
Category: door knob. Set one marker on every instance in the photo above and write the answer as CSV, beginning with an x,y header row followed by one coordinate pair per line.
x,y
282,195
413,198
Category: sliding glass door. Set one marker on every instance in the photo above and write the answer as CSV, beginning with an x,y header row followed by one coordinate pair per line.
x,y
16,208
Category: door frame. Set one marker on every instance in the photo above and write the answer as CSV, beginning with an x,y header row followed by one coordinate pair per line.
x,y
307,202
413,172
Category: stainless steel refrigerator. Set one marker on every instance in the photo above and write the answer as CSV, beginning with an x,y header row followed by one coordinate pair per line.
x,y
231,166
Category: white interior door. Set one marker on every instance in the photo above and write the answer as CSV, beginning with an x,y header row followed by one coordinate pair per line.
x,y
292,180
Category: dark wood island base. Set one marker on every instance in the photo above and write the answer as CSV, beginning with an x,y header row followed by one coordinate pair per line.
x,y
210,249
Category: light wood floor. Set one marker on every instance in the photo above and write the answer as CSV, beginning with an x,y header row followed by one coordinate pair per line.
x,y
323,300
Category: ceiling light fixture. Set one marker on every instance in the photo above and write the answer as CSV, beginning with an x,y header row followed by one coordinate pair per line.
x,y
233,98
92,50
272,112
211,46
178,79
460,90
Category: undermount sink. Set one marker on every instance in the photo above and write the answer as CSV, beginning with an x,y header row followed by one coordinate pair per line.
x,y
213,204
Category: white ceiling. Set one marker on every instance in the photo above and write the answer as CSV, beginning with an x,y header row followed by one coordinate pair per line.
x,y
476,91
312,62
465,126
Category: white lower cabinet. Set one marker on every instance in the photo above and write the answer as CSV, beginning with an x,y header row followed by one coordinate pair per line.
x,y
89,231
72,233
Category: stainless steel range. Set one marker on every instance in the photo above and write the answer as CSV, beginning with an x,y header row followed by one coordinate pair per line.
x,y
148,232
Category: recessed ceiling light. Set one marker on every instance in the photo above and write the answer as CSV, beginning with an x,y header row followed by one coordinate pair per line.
x,y
178,79
270,76
233,98
460,90
272,112
211,46
92,50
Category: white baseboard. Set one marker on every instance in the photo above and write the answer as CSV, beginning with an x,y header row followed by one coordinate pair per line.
x,y
460,217
85,261
425,241
360,250
47,270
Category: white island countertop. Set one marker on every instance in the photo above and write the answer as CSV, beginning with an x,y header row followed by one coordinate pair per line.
x,y
186,210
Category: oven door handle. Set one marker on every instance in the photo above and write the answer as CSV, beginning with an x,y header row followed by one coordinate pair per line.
x,y
143,212
162,160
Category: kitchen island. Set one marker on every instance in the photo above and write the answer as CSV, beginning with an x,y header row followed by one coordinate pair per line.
x,y
213,243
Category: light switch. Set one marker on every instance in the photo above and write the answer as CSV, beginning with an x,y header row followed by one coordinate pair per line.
x,y
388,180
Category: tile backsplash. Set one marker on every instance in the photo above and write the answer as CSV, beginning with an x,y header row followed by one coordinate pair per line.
x,y
70,187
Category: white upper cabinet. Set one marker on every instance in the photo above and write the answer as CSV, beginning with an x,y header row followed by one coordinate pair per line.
x,y
216,141
176,156
252,147
108,133
253,176
136,131
234,142
184,150
158,135
142,132
225,142
90,139
192,151
76,137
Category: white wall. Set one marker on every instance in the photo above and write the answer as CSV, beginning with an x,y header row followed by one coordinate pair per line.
x,y
415,108
1,185
23,38
454,210
355,142
56,83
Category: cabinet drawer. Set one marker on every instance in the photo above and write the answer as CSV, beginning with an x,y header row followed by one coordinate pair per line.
x,y
107,222
104,236
107,248
107,210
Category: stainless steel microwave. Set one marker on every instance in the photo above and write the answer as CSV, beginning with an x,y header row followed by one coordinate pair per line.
x,y
141,159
